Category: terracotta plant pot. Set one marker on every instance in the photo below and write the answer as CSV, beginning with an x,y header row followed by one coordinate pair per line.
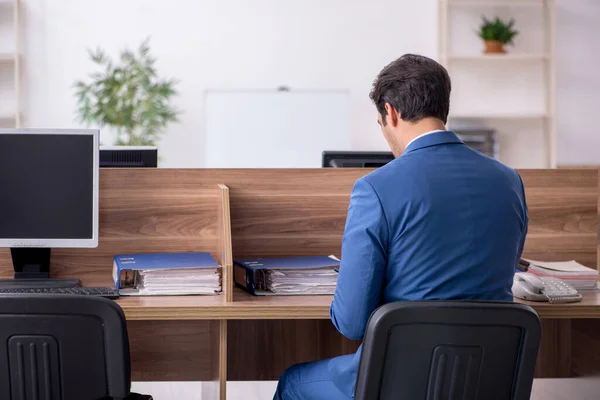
x,y
494,47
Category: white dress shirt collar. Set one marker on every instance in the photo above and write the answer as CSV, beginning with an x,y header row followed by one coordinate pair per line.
x,y
424,134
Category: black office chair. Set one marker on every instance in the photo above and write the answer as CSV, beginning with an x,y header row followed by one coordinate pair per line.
x,y
59,347
449,350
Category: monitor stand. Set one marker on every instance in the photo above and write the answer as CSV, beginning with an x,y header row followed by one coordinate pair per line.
x,y
32,271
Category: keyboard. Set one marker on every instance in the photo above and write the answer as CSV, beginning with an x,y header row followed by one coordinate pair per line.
x,y
107,292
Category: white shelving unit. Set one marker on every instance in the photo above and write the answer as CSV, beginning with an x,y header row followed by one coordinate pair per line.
x,y
10,64
516,3
533,65
498,57
499,116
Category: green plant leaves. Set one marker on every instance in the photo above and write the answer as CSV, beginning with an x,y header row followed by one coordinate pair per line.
x,y
497,30
128,96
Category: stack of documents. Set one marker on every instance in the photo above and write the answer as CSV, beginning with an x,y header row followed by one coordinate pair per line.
x,y
166,274
288,276
571,272
301,281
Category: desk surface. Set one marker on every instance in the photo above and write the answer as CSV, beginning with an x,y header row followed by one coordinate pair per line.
x,y
246,306
588,307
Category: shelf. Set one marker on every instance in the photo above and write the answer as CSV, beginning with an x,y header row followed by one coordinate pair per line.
x,y
4,116
466,3
8,120
7,57
498,116
498,57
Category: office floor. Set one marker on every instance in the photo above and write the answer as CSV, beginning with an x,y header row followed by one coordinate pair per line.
x,y
544,389
193,390
566,389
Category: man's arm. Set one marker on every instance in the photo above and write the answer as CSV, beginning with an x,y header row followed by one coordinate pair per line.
x,y
364,260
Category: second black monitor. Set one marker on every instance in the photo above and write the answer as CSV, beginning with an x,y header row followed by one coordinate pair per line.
x,y
128,157
356,159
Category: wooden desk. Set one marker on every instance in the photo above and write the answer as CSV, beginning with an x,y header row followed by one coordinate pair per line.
x,y
569,329
247,307
249,213
588,308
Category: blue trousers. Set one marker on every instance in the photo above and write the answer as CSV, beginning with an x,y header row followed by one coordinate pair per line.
x,y
308,381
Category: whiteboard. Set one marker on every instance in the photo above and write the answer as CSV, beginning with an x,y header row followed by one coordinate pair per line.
x,y
274,129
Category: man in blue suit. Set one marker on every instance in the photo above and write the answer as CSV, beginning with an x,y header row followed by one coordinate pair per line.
x,y
440,222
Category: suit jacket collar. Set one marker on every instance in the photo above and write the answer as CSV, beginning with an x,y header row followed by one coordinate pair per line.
x,y
434,139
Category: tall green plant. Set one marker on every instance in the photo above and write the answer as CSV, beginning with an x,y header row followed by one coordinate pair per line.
x,y
127,96
497,30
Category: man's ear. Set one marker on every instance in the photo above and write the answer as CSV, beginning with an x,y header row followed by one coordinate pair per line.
x,y
392,116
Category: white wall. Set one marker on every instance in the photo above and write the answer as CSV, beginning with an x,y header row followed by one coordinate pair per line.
x,y
578,83
305,44
223,44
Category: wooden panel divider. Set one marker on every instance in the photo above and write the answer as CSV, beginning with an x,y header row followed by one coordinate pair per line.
x,y
223,339
226,257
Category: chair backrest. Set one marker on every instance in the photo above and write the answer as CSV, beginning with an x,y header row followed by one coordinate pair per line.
x,y
60,347
449,350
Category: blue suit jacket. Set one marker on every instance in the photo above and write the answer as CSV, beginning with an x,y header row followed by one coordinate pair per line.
x,y
442,221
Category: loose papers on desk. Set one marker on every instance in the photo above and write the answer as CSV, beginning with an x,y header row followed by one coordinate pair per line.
x,y
166,274
287,276
571,272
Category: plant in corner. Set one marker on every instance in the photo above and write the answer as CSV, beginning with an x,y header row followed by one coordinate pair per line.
x,y
496,34
127,96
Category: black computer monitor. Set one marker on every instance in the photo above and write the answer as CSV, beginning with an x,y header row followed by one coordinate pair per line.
x,y
356,159
128,157
48,199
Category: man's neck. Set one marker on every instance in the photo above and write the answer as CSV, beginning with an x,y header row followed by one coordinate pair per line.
x,y
426,125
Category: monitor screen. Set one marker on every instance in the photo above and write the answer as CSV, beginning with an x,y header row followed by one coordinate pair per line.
x,y
355,159
128,157
49,195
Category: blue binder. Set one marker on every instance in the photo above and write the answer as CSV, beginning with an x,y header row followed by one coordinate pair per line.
x,y
125,265
249,274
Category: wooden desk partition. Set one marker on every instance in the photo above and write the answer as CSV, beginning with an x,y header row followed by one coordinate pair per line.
x,y
563,215
286,213
158,211
250,213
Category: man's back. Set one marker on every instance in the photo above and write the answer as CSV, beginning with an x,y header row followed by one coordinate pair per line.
x,y
453,215
440,222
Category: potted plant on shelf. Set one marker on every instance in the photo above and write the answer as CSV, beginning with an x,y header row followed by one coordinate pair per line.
x,y
496,34
127,96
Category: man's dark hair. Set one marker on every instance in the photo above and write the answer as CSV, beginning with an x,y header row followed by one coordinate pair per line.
x,y
416,86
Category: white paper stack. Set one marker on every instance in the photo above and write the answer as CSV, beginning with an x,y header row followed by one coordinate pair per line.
x,y
314,281
179,282
307,275
571,272
166,274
